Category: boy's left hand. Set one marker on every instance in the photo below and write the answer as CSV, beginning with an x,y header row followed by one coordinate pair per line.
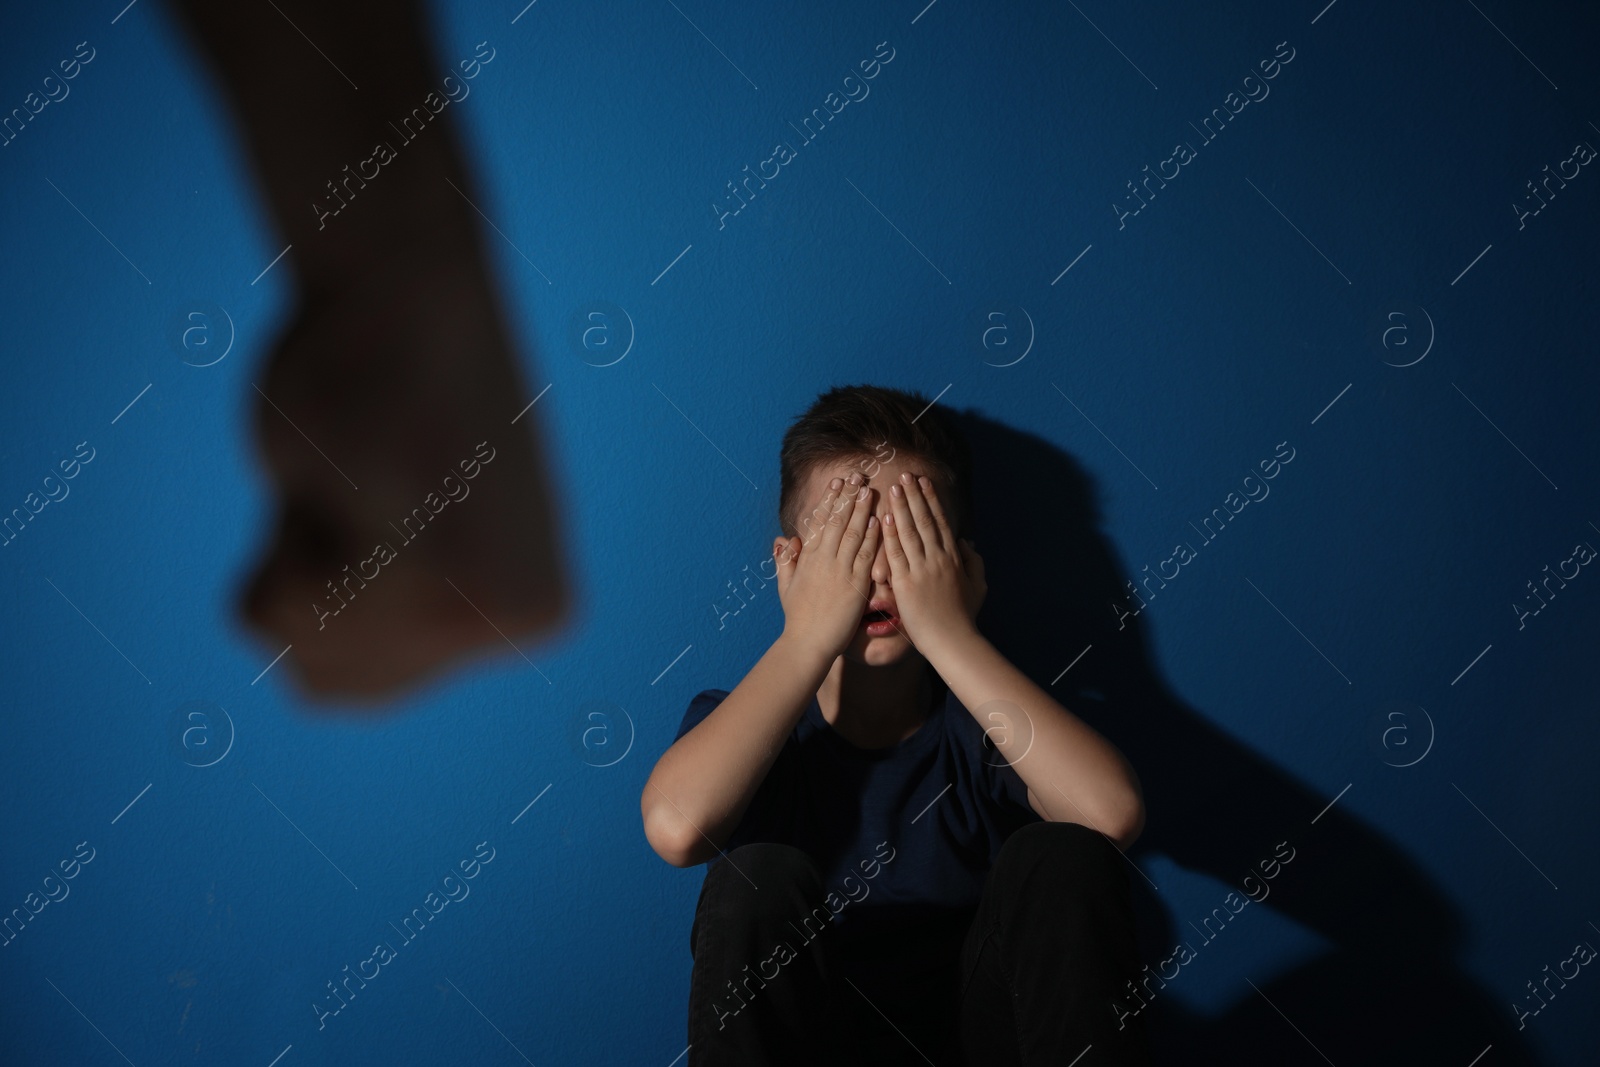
x,y
938,581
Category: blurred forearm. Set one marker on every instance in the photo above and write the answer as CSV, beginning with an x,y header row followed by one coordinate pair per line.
x,y
314,96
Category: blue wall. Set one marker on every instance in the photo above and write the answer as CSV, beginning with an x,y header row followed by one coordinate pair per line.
x,y
1342,674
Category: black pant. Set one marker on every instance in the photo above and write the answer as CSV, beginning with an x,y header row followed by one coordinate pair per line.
x,y
1030,978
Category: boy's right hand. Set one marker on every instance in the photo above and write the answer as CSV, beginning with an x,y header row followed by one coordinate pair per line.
x,y
825,576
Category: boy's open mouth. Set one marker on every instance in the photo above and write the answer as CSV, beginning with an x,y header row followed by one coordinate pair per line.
x,y
880,619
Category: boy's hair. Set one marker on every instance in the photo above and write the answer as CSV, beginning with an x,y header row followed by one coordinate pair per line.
x,y
866,422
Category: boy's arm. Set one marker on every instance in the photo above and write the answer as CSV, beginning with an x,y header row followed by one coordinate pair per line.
x,y
701,786
1073,774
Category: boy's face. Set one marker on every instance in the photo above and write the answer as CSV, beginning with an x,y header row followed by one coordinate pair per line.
x,y
880,474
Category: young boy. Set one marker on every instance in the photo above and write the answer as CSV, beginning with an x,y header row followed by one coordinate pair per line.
x,y
912,849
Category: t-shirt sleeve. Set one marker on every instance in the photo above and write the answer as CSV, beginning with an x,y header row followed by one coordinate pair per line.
x,y
704,703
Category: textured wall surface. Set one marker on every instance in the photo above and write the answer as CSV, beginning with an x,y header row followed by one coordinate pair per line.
x,y
1324,276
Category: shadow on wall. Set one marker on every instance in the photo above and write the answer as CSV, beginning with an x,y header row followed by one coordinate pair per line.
x,y
1215,807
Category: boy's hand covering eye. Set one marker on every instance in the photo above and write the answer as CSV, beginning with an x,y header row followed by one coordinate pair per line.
x,y
938,580
825,575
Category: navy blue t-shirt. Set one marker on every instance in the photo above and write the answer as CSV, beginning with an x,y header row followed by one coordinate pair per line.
x,y
904,836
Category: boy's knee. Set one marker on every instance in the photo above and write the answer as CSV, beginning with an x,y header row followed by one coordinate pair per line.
x,y
757,889
778,863
764,879
1067,849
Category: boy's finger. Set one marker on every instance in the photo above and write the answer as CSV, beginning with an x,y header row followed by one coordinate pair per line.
x,y
866,524
922,516
947,536
839,517
817,521
863,511
904,523
891,544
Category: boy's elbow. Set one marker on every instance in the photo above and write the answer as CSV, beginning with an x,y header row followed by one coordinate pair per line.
x,y
663,829
676,854
1126,828
1128,823
673,856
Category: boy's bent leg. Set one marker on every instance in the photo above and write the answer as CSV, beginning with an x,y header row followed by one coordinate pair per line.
x,y
762,989
1048,957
